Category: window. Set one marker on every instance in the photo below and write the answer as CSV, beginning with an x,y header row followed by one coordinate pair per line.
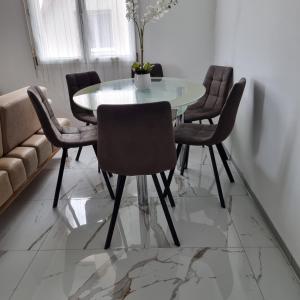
x,y
75,29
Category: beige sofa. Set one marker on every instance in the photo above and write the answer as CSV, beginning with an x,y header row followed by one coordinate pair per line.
x,y
24,149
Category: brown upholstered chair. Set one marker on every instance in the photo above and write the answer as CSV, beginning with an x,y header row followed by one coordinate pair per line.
x,y
218,82
137,140
157,71
76,82
210,135
62,137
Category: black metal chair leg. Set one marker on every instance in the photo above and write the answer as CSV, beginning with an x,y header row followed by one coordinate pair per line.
x,y
167,189
171,173
78,153
120,187
213,160
187,157
228,171
166,210
108,185
60,176
184,161
222,151
107,182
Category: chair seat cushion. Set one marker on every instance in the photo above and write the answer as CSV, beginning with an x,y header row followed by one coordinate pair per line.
x,y
79,136
41,145
195,134
200,113
15,169
6,188
87,118
28,156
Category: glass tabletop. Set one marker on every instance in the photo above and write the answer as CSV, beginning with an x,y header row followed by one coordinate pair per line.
x,y
178,92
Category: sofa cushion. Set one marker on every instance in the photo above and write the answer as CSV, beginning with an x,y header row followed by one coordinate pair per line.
x,y
41,145
28,156
6,189
18,119
62,122
15,169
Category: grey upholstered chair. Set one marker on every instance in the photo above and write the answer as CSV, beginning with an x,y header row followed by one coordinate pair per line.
x,y
157,71
62,137
218,82
76,82
210,135
137,140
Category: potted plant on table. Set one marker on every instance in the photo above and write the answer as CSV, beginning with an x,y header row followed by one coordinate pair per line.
x,y
152,12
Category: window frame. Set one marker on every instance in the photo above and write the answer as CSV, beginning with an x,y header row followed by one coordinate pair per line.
x,y
86,54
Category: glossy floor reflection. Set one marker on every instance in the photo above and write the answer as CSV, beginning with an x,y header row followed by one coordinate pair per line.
x,y
58,254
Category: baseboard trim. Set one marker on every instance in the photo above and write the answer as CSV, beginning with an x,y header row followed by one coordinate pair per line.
x,y
269,222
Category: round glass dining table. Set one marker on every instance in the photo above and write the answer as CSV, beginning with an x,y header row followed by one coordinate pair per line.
x,y
178,92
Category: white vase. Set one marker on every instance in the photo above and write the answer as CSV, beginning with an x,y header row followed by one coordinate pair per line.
x,y
142,81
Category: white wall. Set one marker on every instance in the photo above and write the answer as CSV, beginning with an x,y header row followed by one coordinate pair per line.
x,y
261,40
16,66
183,40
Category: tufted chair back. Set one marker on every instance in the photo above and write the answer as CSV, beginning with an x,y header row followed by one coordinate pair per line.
x,y
136,139
218,82
76,82
43,109
229,112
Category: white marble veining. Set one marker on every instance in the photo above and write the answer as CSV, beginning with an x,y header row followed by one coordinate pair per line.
x,y
250,225
230,253
273,274
13,265
140,274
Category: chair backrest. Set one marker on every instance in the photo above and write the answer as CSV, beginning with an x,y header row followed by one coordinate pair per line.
x,y
229,112
157,71
43,109
136,139
218,82
78,81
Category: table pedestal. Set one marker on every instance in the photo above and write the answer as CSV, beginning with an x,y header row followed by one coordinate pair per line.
x,y
142,190
180,161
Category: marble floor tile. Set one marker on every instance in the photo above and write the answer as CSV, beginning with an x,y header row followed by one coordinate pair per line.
x,y
202,181
249,223
225,253
25,224
76,183
139,274
83,224
273,274
13,265
82,180
199,222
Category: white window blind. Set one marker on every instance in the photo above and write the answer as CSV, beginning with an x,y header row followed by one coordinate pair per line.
x,y
69,30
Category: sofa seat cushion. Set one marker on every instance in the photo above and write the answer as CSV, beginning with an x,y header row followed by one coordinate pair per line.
x,y
18,119
15,169
28,156
62,122
41,145
6,189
